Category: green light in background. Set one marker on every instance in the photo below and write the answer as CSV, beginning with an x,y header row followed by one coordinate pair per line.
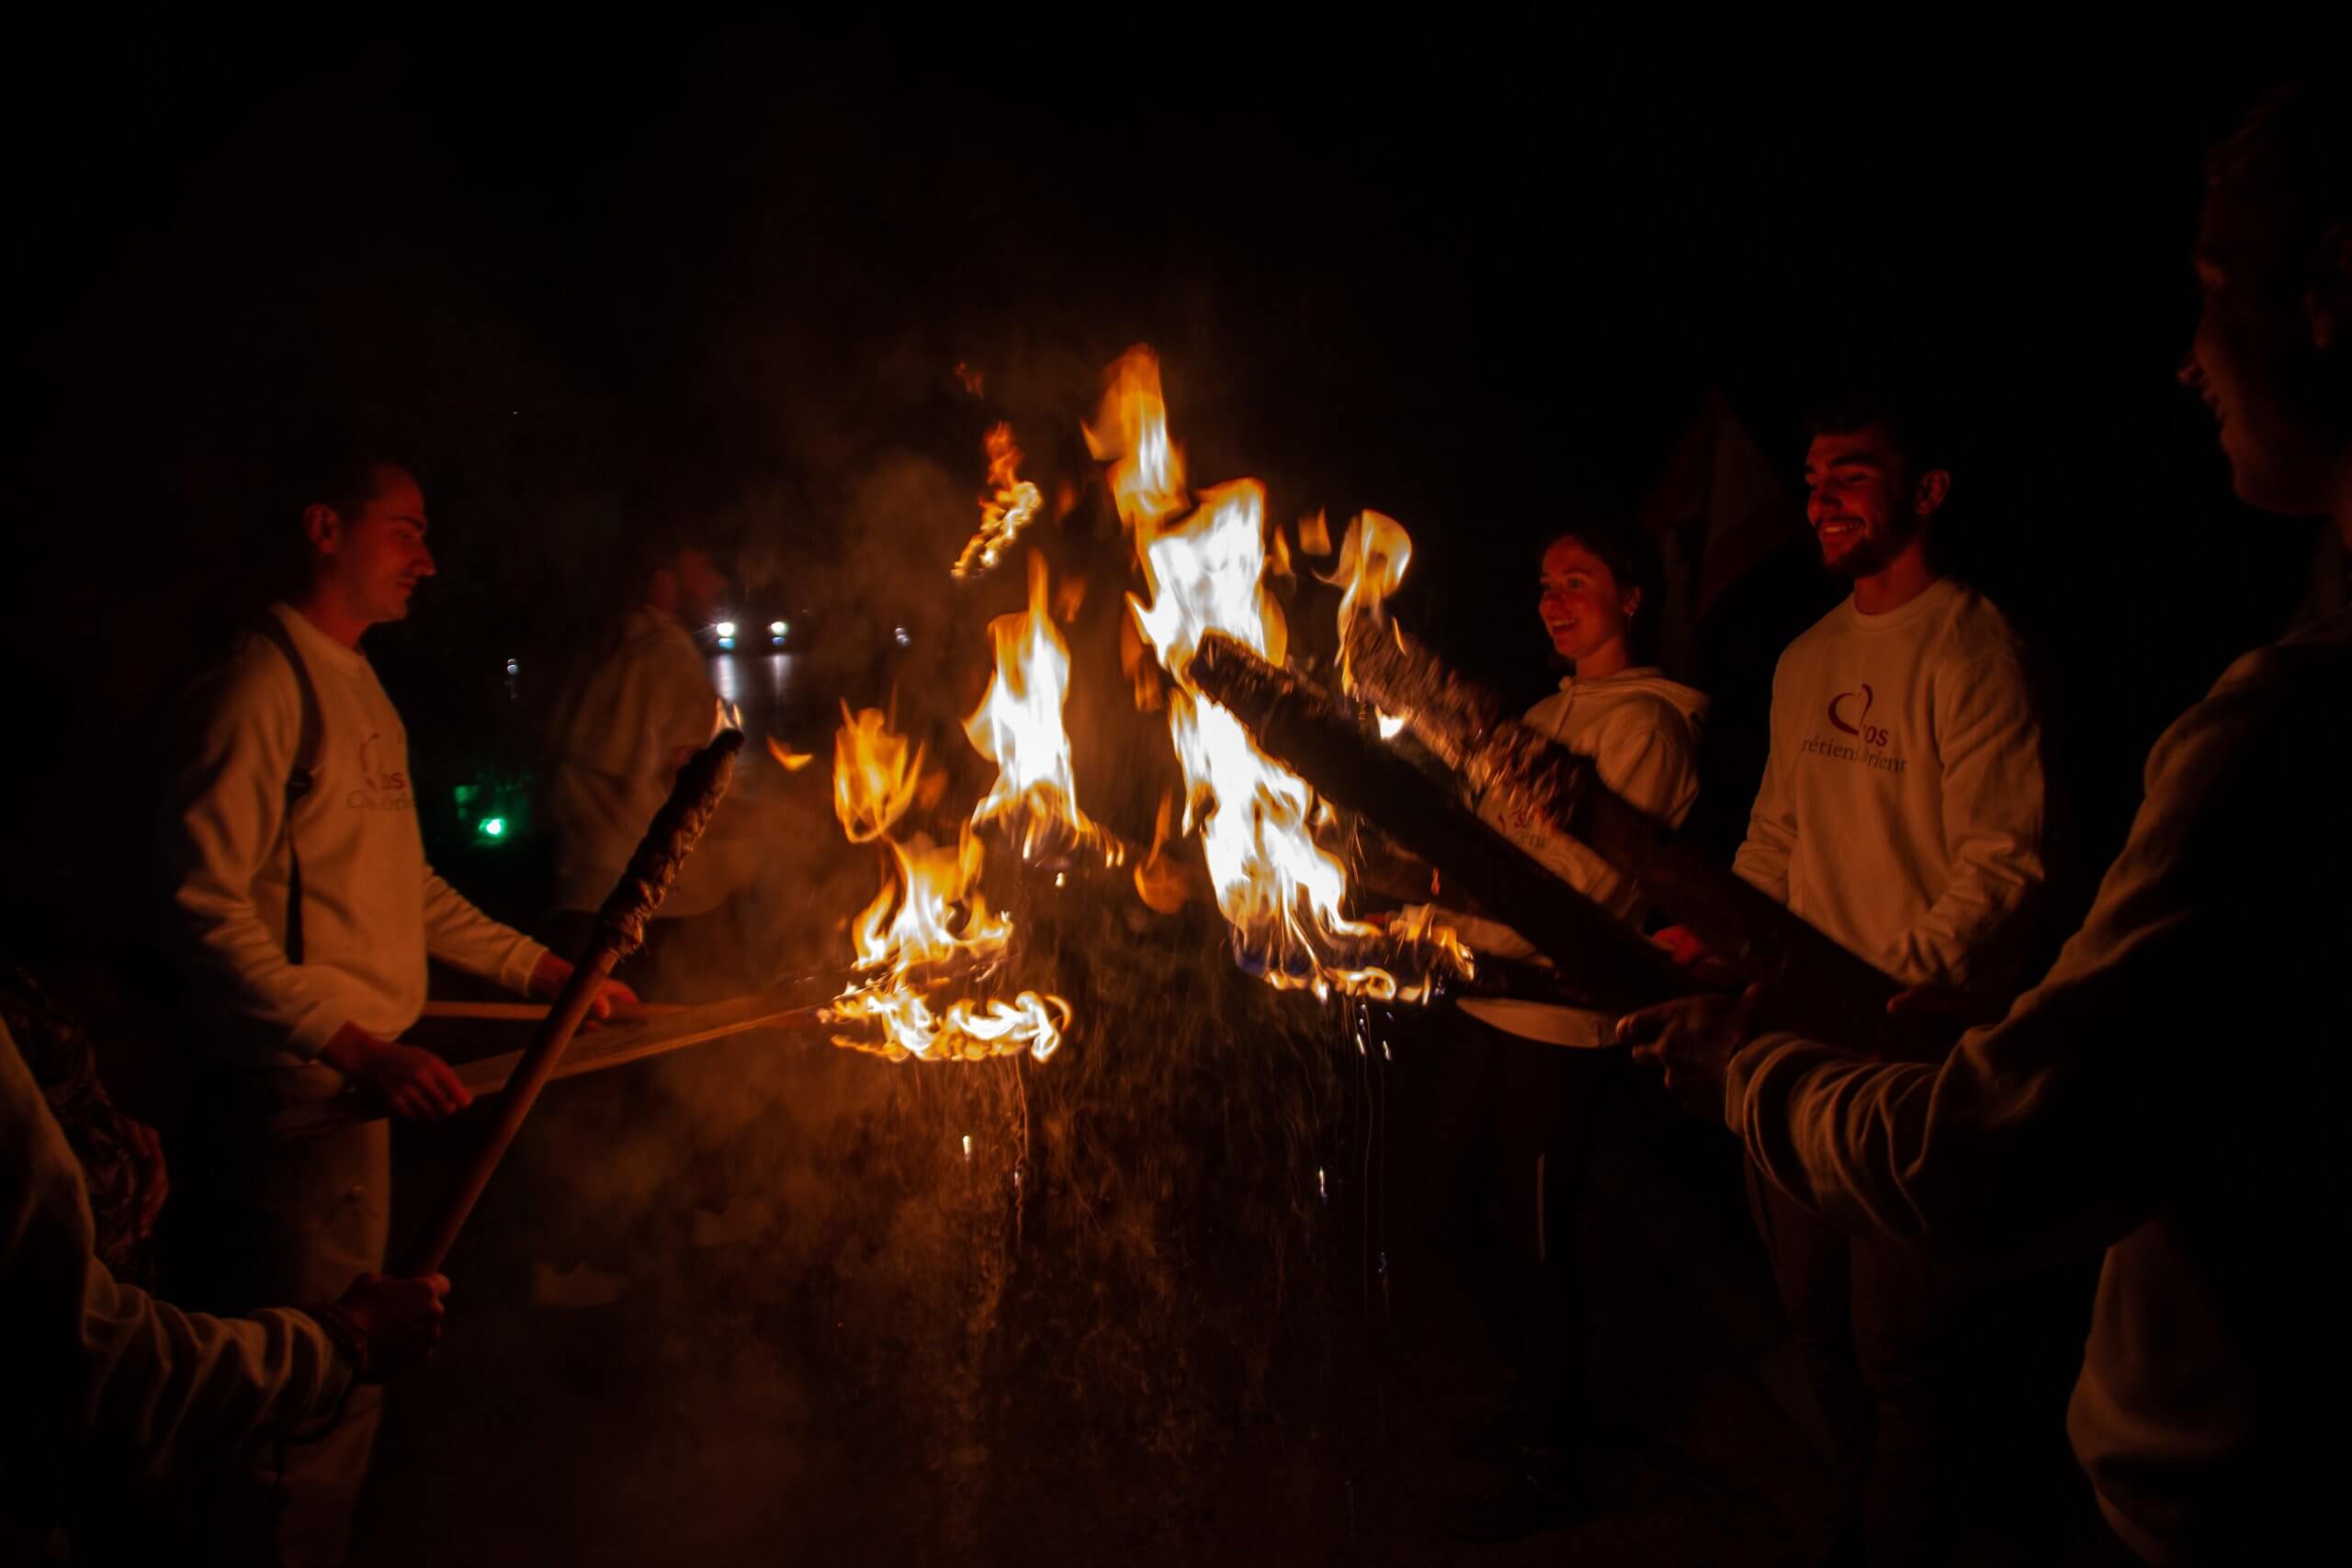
x,y
493,826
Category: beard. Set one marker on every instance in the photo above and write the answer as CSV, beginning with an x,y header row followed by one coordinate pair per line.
x,y
1868,552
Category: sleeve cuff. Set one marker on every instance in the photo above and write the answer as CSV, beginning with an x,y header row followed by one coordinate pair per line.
x,y
515,975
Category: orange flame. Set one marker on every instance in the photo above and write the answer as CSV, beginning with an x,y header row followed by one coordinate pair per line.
x,y
792,761
928,924
1131,434
1279,889
1373,559
1007,507
875,776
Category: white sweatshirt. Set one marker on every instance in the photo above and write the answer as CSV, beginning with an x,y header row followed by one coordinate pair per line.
x,y
2172,1091
618,743
372,909
1901,806
102,1379
1642,732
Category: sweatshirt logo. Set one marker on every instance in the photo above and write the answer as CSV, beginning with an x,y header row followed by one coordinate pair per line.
x,y
1860,726
382,789
1850,714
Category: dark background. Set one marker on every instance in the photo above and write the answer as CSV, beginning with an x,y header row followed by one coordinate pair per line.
x,y
586,277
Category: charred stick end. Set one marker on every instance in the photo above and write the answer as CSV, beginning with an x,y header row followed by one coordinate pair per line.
x,y
701,785
1298,725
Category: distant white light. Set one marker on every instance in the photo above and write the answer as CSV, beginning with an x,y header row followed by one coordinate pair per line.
x,y
725,628
1390,727
903,638
514,667
777,628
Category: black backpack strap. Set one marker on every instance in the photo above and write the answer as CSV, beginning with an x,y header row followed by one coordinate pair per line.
x,y
299,778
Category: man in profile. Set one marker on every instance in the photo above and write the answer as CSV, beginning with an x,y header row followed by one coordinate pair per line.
x,y
298,903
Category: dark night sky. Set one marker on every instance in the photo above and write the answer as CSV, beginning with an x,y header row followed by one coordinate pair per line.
x,y
1479,281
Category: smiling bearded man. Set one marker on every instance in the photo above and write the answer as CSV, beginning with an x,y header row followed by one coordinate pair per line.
x,y
1901,812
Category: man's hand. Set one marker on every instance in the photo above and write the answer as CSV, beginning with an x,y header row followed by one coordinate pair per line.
x,y
548,976
414,1083
154,1178
1692,1039
400,1319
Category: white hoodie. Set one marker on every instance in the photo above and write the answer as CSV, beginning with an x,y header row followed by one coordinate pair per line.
x,y
1642,731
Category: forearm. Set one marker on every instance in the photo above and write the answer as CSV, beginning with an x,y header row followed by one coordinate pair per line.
x,y
463,937
154,1378
106,1371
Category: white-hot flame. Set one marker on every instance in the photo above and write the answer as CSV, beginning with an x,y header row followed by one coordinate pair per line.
x,y
1018,725
1280,890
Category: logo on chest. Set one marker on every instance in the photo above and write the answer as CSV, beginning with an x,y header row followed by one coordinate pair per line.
x,y
1850,712
381,788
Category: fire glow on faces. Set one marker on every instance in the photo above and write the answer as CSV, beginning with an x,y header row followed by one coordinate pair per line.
x,y
2253,359
1861,500
1583,608
375,557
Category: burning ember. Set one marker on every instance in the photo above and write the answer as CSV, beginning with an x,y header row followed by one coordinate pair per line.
x,y
929,928
1006,508
1279,889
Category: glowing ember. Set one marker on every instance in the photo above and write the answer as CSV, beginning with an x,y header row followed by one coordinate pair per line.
x,y
929,925
1007,507
1279,889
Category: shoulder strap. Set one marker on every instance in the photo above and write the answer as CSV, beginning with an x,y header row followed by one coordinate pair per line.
x,y
299,778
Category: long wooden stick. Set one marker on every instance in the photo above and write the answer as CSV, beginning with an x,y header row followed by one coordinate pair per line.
x,y
796,1006
620,928
532,1012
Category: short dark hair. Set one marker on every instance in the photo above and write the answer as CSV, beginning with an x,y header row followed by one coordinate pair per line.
x,y
1914,426
2299,141
341,474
